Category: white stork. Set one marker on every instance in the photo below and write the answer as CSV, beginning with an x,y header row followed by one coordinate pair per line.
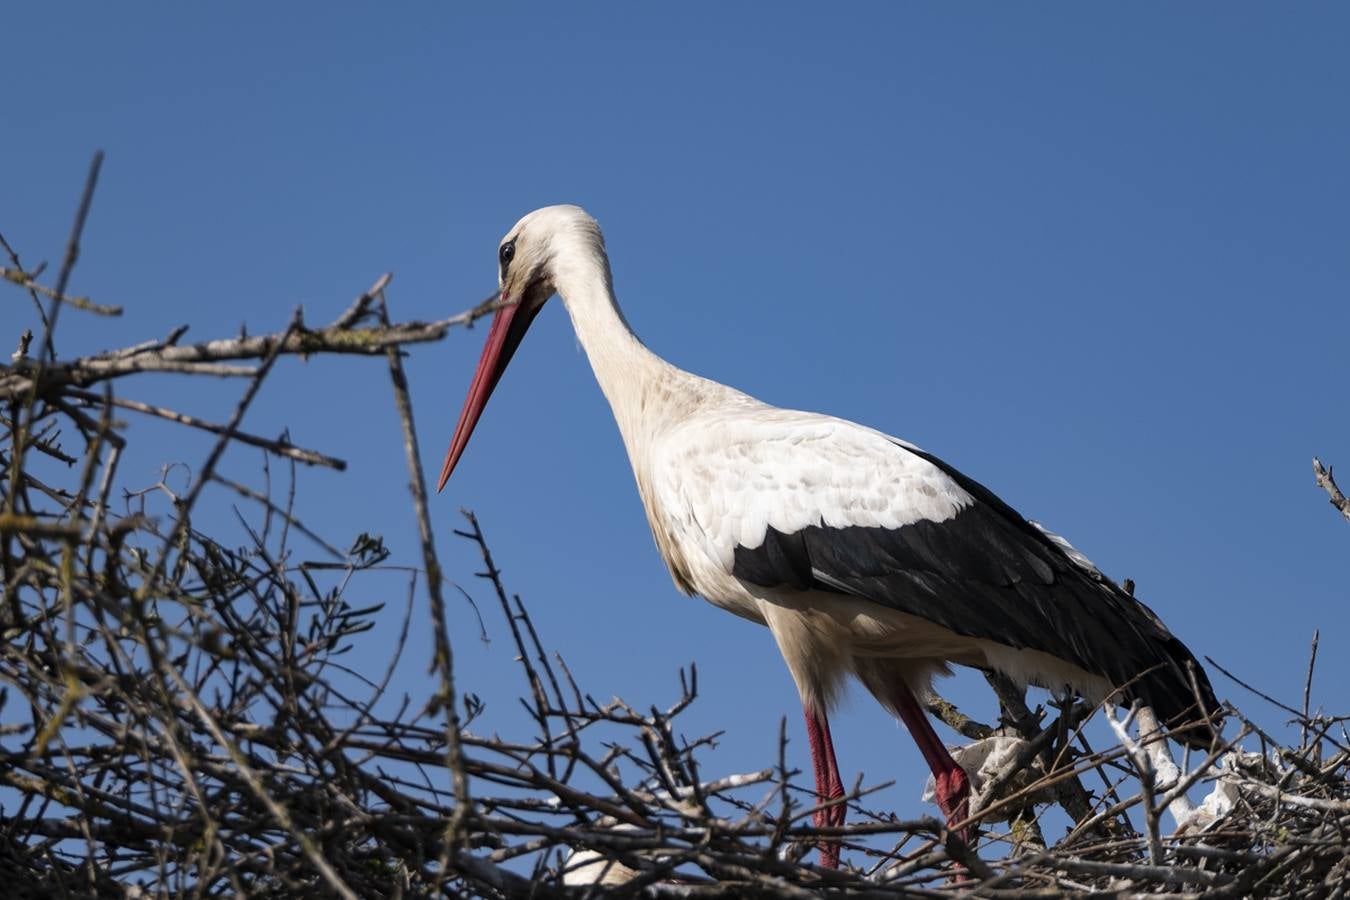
x,y
863,554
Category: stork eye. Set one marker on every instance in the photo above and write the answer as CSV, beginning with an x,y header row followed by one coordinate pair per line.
x,y
506,254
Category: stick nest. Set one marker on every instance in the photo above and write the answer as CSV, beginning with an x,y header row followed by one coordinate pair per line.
x,y
178,720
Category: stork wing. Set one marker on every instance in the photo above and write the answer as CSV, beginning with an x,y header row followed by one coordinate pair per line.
x,y
808,502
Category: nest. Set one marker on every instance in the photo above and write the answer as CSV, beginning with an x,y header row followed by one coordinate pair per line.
x,y
178,721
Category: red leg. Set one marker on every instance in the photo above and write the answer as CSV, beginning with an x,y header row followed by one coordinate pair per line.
x,y
953,786
828,784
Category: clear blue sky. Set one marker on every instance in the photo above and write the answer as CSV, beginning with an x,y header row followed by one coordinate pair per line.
x,y
1095,256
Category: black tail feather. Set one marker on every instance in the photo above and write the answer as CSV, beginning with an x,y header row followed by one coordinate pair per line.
x,y
1180,695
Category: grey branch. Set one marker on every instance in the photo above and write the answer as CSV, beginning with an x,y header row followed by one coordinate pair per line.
x,y
962,724
1327,483
278,446
25,280
343,336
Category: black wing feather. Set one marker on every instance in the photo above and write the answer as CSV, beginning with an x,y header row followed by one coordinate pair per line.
x,y
989,573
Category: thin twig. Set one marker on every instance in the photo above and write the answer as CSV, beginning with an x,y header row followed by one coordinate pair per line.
x,y
443,660
24,280
278,446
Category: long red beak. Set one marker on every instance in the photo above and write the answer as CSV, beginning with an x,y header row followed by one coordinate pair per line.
x,y
508,328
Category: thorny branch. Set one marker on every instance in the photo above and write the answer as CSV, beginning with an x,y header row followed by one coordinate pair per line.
x,y
179,719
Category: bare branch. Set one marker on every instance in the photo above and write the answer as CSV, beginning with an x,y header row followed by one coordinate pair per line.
x,y
25,280
209,357
279,446
1327,483
443,659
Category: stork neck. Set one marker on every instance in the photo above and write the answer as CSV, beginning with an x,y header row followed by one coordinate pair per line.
x,y
626,370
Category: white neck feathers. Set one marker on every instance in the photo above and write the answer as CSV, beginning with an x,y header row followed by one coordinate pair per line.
x,y
629,374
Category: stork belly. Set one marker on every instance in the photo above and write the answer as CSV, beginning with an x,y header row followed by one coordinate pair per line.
x,y
826,637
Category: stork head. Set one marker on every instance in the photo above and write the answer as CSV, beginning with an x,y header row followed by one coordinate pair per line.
x,y
539,251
